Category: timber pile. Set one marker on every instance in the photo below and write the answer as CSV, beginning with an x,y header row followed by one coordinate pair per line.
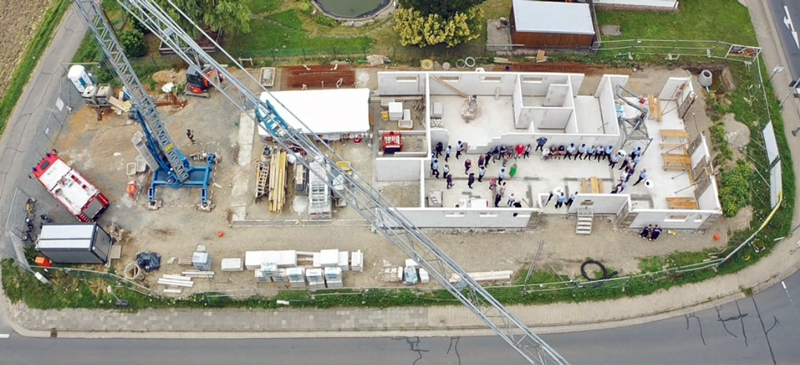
x,y
504,275
277,183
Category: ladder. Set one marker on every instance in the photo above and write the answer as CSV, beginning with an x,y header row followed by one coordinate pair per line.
x,y
585,218
262,179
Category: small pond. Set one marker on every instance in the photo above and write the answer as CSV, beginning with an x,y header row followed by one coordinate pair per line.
x,y
352,8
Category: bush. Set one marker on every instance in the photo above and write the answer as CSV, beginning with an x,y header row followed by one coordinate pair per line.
x,y
416,29
735,191
133,43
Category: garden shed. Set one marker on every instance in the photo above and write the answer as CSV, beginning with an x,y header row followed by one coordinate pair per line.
x,y
551,24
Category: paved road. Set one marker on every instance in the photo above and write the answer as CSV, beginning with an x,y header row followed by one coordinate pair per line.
x,y
785,25
757,330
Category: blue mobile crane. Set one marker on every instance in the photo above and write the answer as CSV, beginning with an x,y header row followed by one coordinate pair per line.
x,y
174,169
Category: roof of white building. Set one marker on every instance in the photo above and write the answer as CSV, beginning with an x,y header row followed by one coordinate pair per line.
x,y
552,17
332,111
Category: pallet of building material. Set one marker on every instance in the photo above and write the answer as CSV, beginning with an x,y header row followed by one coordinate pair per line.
x,y
357,261
172,291
503,275
176,277
391,274
232,264
344,260
277,183
334,284
329,258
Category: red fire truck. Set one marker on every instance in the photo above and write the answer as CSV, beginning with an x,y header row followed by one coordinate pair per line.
x,y
72,190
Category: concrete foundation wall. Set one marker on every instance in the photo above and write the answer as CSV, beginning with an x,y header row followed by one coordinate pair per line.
x,y
671,87
662,5
468,218
672,219
398,169
608,111
537,84
599,203
401,83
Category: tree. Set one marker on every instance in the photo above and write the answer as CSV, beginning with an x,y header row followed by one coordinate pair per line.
x,y
445,8
133,43
233,15
421,30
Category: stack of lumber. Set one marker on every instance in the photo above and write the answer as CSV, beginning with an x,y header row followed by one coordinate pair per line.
x,y
277,183
176,280
198,274
504,275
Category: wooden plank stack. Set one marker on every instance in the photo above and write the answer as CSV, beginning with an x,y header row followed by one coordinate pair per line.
x,y
277,183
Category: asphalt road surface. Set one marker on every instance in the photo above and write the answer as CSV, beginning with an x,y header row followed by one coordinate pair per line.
x,y
757,330
786,14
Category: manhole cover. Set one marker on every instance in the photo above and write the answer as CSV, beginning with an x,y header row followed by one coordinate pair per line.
x,y
22,306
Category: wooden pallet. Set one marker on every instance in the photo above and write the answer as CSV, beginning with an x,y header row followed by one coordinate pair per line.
x,y
673,133
682,203
592,185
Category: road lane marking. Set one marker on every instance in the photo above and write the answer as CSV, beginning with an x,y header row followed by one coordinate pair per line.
x,y
4,335
787,21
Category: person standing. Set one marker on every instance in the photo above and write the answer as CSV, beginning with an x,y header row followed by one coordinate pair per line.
x,y
495,153
600,153
560,200
435,168
446,170
506,158
570,151
439,148
625,163
493,185
520,150
502,189
637,152
471,180
497,199
511,200
447,152
646,232
449,181
527,151
589,153
467,166
190,135
459,146
609,151
512,171
481,160
655,232
642,176
481,172
540,142
612,160
501,176
581,151
571,199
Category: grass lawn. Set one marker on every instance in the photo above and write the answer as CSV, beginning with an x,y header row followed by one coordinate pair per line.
x,y
27,63
717,20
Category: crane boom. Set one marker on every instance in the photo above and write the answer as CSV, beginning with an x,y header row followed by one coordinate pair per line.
x,y
357,192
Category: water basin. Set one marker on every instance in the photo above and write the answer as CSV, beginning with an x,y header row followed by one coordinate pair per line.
x,y
352,9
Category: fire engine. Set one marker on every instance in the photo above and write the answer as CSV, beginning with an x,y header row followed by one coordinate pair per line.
x,y
70,188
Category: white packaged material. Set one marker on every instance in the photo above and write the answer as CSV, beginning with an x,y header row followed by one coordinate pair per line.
x,y
395,111
269,268
261,278
315,275
296,274
411,263
357,261
344,260
333,273
423,276
328,258
316,285
280,276
335,284
437,110
315,260
253,259
232,264
287,258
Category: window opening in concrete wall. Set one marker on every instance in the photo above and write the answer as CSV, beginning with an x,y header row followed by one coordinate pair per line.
x,y
488,215
450,78
454,215
587,203
491,78
677,218
406,79
532,79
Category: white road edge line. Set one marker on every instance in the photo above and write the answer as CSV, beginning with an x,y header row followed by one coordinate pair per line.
x,y
4,335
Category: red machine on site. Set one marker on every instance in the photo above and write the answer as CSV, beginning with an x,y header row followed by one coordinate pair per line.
x,y
70,188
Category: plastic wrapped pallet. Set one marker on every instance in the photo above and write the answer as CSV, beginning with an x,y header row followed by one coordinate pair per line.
x,y
344,260
280,276
329,258
260,277
316,285
315,275
395,111
315,260
357,261
411,263
296,274
334,284
333,273
253,259
286,258
269,268
232,264
423,276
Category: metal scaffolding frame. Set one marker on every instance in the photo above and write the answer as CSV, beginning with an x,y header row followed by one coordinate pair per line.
x,y
357,191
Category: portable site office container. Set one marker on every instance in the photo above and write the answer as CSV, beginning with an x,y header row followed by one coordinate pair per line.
x,y
83,243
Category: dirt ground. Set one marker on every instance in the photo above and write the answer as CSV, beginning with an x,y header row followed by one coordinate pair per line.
x,y
18,24
101,149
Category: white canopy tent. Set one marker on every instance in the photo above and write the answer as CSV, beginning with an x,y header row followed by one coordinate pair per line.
x,y
330,113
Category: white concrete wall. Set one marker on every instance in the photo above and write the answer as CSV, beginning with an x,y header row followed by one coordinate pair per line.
x,y
398,168
473,83
440,135
553,118
709,199
608,111
600,203
669,91
665,218
613,81
521,120
557,95
536,84
666,4
468,218
397,83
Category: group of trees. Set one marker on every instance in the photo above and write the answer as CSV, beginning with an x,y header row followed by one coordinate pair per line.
x,y
429,22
